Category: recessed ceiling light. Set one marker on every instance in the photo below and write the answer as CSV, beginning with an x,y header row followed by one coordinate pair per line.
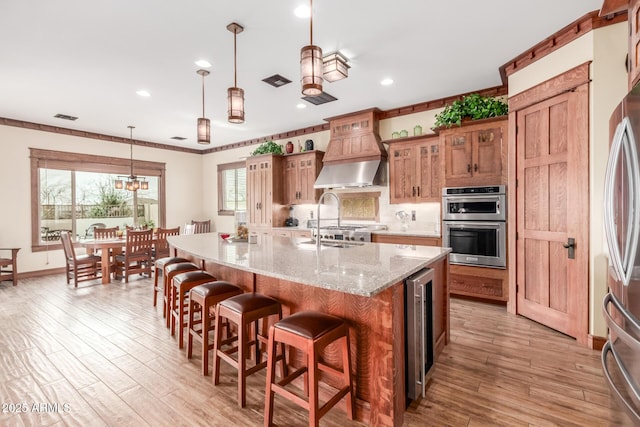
x,y
301,106
302,11
386,82
143,92
203,63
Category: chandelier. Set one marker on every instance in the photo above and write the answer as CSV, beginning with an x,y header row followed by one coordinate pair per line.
x,y
235,95
133,183
311,66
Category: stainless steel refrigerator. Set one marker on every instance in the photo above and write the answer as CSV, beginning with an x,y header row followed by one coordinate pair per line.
x,y
621,306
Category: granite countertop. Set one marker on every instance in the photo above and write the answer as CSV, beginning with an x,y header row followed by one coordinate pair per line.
x,y
365,269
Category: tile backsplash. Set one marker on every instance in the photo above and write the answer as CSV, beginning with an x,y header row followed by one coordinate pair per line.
x,y
427,215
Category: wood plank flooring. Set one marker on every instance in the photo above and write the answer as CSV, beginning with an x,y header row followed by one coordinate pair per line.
x,y
100,355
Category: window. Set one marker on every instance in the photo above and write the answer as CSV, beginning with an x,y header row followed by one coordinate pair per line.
x,y
232,188
76,192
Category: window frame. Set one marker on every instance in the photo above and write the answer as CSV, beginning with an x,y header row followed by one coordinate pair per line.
x,y
50,159
221,168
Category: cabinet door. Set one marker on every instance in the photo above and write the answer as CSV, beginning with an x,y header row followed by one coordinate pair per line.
x,y
306,179
429,158
487,149
266,182
253,189
402,187
291,182
458,156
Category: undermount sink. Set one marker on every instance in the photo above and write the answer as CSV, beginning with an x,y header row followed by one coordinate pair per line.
x,y
332,243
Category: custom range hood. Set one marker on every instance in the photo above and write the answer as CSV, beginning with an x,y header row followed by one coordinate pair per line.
x,y
355,156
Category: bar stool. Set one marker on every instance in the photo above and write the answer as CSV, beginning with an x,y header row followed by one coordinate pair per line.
x,y
170,271
181,285
310,332
243,310
158,269
203,298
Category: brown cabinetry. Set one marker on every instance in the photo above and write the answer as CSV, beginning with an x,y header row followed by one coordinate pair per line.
x,y
300,173
414,170
634,42
479,282
475,154
264,191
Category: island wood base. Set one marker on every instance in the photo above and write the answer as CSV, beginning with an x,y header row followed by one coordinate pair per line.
x,y
377,333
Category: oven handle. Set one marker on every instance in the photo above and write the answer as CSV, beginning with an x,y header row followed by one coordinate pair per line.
x,y
489,225
467,199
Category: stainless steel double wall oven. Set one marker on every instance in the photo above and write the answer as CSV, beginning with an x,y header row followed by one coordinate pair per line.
x,y
474,225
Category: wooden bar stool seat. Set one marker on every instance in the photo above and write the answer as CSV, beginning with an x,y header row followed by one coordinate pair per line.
x,y
158,270
170,271
203,298
243,310
182,283
310,332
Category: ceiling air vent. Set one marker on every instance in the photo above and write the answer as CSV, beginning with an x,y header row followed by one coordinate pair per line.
x,y
276,80
65,117
323,98
178,138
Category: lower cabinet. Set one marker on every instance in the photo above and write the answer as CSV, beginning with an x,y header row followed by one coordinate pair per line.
x,y
479,282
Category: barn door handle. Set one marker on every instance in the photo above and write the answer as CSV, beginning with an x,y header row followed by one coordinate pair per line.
x,y
571,245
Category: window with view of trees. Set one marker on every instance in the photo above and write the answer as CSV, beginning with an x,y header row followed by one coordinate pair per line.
x,y
76,193
232,188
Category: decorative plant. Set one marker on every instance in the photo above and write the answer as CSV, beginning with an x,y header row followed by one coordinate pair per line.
x,y
268,147
474,106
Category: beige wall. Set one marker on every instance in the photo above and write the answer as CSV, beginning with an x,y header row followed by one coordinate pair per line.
x,y
183,178
607,48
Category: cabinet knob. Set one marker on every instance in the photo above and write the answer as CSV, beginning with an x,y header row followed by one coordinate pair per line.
x,y
475,167
413,189
468,167
418,191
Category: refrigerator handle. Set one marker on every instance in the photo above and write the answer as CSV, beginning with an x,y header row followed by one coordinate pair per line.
x,y
623,144
609,348
632,324
609,182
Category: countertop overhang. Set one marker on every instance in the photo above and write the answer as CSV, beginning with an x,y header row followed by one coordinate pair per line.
x,y
364,270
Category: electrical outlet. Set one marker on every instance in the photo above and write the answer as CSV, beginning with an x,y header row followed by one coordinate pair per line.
x,y
413,215
311,214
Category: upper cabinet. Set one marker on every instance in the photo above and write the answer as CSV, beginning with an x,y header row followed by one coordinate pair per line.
x,y
475,153
300,172
265,191
414,170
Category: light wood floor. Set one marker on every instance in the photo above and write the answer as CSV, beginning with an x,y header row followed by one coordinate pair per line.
x,y
105,352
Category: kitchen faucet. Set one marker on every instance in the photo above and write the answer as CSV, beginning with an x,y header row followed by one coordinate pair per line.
x,y
335,196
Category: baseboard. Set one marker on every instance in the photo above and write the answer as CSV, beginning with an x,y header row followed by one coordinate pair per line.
x,y
595,342
40,273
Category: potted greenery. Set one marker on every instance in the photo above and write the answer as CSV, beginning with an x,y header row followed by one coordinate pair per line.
x,y
268,147
474,107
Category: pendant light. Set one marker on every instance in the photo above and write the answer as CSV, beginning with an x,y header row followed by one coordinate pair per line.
x,y
311,67
235,95
133,182
204,124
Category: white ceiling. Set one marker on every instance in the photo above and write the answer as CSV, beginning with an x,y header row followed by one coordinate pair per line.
x,y
88,58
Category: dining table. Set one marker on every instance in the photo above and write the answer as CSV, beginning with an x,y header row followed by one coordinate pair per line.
x,y
105,246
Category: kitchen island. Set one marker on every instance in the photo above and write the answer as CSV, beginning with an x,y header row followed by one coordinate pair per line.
x,y
362,283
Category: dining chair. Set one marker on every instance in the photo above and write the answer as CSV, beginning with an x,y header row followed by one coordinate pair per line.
x,y
9,266
79,267
106,233
161,246
201,226
137,254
